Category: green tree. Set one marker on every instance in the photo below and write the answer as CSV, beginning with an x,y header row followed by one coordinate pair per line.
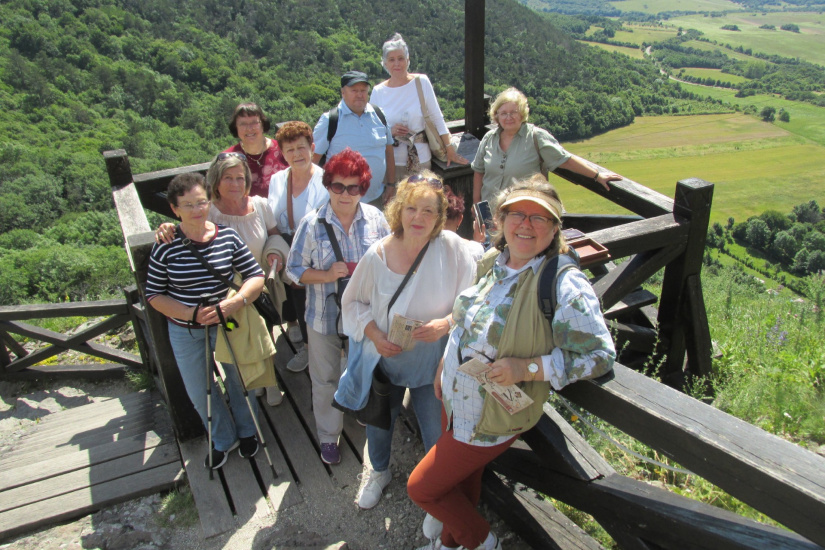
x,y
768,113
758,234
784,247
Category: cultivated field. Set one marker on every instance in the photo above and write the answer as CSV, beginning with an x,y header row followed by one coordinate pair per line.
x,y
715,74
755,165
658,6
635,53
807,44
708,47
644,34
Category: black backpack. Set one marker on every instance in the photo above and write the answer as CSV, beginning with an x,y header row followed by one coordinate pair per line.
x,y
548,279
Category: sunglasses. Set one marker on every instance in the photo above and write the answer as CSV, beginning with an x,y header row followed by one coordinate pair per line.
x,y
224,156
338,188
433,182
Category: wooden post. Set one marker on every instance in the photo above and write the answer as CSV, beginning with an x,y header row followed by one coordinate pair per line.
x,y
680,308
474,103
139,242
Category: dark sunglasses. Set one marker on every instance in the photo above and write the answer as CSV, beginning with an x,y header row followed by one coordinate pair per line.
x,y
434,182
224,156
338,188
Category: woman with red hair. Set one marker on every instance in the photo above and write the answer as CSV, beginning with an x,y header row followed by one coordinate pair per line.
x,y
328,244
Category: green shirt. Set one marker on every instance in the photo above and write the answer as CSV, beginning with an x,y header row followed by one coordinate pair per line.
x,y
520,161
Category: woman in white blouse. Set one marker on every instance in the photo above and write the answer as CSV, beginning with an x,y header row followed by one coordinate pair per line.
x,y
416,216
398,98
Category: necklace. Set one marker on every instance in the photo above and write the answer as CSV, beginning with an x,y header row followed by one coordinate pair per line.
x,y
252,157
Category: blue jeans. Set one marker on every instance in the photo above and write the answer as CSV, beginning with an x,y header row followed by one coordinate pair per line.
x,y
190,354
427,410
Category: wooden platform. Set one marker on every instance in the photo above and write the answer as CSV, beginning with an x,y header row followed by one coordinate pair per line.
x,y
243,490
77,461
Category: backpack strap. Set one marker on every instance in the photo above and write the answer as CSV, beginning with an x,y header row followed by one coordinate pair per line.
x,y
548,281
333,121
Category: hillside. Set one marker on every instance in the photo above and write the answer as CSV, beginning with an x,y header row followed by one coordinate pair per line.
x,y
159,79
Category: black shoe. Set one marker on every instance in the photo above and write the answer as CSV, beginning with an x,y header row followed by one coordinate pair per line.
x,y
219,457
249,447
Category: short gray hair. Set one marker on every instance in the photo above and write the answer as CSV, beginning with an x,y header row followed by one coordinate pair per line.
x,y
395,42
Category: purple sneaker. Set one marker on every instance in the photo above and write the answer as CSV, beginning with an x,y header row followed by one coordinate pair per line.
x,y
330,453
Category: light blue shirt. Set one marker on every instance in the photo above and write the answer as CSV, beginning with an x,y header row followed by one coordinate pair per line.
x,y
365,134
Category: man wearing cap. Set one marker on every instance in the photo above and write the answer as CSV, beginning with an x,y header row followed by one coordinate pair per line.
x,y
360,128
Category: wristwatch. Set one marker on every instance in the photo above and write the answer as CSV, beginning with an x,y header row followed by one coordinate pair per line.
x,y
533,369
243,296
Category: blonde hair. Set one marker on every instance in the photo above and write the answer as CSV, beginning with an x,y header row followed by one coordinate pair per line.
x,y
510,95
410,191
218,167
537,184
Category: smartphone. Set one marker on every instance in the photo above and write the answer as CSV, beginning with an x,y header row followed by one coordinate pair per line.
x,y
484,214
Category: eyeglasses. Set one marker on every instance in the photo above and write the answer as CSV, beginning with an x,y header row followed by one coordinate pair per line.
x,y
338,188
224,156
200,205
249,124
435,183
508,114
536,220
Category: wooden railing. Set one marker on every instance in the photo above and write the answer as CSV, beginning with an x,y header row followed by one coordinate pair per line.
x,y
25,363
776,477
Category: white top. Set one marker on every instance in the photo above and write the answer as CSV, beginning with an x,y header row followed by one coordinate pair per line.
x,y
252,227
313,197
396,101
445,270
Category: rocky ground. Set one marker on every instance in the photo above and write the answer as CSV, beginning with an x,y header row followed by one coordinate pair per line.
x,y
169,521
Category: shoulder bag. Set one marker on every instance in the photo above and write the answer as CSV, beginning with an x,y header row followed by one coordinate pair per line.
x,y
433,139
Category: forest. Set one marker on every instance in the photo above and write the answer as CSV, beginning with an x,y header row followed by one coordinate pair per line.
x,y
160,78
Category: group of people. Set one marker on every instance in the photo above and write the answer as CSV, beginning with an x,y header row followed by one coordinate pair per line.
x,y
369,236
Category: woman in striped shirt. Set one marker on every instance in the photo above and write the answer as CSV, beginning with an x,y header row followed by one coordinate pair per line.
x,y
175,283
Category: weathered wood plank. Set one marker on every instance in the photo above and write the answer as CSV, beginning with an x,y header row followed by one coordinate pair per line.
x,y
100,472
630,303
283,492
594,222
108,407
633,337
158,181
64,309
627,193
247,496
770,474
663,231
91,371
13,344
210,499
629,275
535,519
697,341
83,458
81,502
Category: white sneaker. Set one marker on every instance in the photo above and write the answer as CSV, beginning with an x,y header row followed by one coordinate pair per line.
x,y
274,396
434,544
300,361
431,527
294,334
370,493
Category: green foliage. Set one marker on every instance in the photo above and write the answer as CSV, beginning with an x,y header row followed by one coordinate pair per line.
x,y
730,28
768,114
790,27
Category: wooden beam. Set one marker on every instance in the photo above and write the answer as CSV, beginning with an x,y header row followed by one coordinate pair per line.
x,y
158,181
91,371
633,337
594,222
697,342
626,193
64,309
776,477
628,276
630,303
693,202
662,231
474,104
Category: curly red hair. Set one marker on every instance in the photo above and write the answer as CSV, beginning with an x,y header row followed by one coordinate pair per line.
x,y
348,164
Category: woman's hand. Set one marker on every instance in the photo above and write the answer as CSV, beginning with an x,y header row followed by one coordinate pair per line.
x,y
400,130
379,338
432,331
453,156
165,233
479,231
275,259
605,177
437,381
336,271
509,370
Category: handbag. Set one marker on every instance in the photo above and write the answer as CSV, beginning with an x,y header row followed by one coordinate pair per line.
x,y
263,303
377,410
433,139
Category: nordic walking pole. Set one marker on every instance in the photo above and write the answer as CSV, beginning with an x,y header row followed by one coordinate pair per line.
x,y
222,329
205,299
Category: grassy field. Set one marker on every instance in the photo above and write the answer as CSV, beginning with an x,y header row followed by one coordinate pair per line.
x,y
716,74
635,53
640,34
755,165
708,47
807,44
658,6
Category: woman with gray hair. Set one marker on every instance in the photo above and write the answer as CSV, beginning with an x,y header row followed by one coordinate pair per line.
x,y
516,149
399,98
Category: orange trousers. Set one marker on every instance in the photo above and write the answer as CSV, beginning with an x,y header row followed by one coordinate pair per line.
x,y
447,485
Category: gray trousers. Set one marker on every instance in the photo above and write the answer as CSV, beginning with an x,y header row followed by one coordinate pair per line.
x,y
325,371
